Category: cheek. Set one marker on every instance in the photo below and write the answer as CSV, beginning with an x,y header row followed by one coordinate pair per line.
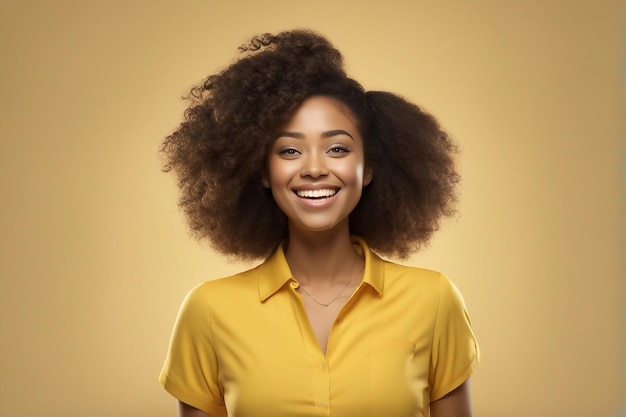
x,y
279,172
351,173
273,169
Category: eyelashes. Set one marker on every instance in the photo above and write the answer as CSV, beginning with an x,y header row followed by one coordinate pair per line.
x,y
288,152
338,149
335,150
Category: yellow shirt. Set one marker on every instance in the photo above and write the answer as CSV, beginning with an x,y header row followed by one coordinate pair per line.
x,y
242,346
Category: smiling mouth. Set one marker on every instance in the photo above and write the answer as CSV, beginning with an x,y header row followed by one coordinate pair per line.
x,y
316,194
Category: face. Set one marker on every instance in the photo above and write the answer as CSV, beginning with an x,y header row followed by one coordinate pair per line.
x,y
316,166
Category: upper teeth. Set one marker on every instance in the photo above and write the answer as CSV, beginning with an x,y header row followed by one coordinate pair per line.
x,y
315,193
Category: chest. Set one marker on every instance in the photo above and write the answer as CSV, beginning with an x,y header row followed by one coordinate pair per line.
x,y
290,359
321,318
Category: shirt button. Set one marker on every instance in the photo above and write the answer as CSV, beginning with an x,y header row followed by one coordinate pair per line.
x,y
320,403
323,367
294,284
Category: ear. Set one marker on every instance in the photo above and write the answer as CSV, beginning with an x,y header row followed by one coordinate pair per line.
x,y
265,182
367,175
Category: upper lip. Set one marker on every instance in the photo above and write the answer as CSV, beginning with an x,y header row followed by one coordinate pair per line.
x,y
313,187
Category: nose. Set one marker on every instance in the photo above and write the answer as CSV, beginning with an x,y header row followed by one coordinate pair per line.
x,y
314,166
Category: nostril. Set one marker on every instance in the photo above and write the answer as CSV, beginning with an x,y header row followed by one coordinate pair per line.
x,y
313,169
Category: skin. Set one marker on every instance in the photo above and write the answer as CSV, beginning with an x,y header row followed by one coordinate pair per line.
x,y
185,410
320,150
456,404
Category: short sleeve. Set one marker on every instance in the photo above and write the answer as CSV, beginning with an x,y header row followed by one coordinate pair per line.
x,y
191,367
455,352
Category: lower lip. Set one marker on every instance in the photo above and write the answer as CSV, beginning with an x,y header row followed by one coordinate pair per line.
x,y
318,202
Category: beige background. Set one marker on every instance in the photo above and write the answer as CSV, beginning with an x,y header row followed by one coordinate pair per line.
x,y
95,257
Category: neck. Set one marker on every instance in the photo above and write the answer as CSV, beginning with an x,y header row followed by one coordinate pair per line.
x,y
323,258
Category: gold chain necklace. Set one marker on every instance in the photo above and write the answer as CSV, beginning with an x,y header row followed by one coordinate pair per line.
x,y
340,292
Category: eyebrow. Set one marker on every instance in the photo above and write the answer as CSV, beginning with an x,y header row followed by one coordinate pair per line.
x,y
328,134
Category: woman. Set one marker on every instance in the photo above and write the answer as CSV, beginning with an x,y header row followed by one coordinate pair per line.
x,y
283,157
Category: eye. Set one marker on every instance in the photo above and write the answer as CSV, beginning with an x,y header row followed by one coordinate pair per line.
x,y
338,150
288,152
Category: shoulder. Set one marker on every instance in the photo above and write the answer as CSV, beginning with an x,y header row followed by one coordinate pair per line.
x,y
421,283
222,290
412,276
399,270
386,275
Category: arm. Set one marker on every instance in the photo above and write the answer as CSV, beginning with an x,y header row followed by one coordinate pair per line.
x,y
456,403
185,410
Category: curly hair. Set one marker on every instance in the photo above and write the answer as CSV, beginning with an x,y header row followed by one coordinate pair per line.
x,y
219,150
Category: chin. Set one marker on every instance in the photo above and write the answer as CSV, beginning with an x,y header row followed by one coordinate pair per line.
x,y
319,227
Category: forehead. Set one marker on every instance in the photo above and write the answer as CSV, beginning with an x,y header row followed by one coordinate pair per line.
x,y
321,112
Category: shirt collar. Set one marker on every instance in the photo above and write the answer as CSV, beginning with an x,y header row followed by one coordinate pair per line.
x,y
274,273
